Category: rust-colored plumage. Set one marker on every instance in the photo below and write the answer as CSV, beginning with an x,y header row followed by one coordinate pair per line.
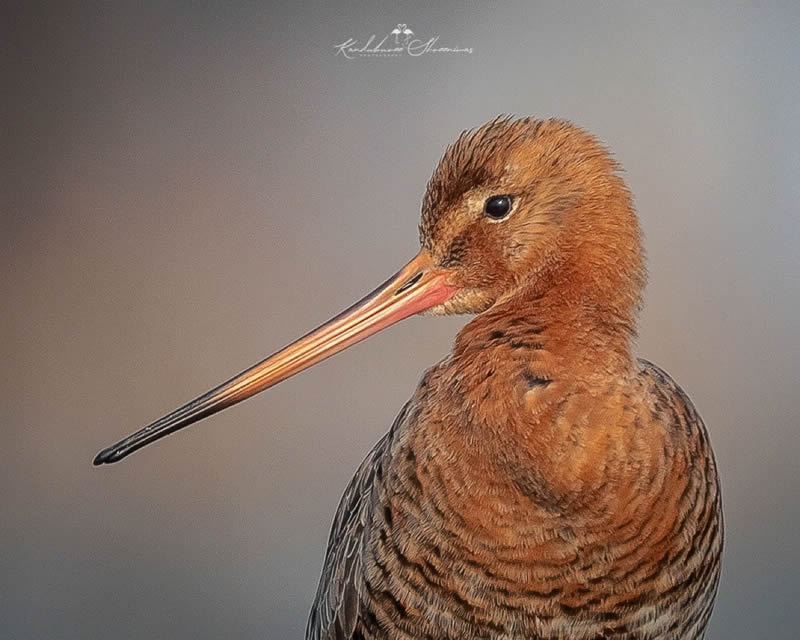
x,y
541,483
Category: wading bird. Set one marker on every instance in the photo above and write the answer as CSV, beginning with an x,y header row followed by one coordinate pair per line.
x,y
541,482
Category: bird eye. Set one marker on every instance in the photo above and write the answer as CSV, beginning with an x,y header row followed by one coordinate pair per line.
x,y
497,207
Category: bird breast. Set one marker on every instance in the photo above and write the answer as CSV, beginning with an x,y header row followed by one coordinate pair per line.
x,y
550,521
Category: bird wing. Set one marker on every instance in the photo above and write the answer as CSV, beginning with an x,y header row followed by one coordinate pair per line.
x,y
336,606
699,539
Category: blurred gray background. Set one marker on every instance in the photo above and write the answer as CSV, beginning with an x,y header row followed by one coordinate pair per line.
x,y
188,187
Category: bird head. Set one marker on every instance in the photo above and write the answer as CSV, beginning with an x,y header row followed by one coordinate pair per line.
x,y
514,207
536,206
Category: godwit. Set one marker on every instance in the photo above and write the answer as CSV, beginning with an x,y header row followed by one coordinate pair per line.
x,y
541,483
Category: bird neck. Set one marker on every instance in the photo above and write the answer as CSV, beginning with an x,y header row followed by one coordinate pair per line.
x,y
584,305
561,333
514,369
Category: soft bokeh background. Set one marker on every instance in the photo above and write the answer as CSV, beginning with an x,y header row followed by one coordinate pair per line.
x,y
188,187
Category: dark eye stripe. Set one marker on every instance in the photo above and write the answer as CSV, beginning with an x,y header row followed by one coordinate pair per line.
x,y
457,251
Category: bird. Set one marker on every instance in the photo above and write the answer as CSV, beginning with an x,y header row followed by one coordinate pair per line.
x,y
542,482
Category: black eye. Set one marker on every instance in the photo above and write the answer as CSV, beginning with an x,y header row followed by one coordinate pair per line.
x,y
497,207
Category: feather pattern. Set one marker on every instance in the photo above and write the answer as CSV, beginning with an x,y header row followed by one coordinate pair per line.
x,y
410,556
541,483
336,606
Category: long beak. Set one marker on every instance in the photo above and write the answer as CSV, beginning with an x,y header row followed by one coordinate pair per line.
x,y
416,287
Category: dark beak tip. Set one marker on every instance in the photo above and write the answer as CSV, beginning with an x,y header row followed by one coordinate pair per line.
x,y
106,456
